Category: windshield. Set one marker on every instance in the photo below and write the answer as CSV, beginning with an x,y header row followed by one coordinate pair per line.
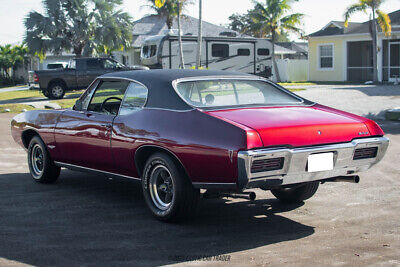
x,y
234,92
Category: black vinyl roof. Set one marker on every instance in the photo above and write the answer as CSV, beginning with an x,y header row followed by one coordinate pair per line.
x,y
159,83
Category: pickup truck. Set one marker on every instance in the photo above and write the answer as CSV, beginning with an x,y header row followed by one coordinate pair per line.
x,y
79,74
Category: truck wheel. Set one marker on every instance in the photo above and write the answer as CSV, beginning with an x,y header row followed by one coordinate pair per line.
x,y
167,190
41,167
296,194
56,91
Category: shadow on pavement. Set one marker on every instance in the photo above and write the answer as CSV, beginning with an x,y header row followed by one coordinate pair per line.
x,y
84,219
373,90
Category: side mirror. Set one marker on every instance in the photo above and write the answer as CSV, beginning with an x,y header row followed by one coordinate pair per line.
x,y
78,105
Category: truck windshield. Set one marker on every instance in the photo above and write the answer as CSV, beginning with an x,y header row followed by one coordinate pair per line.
x,y
230,92
149,51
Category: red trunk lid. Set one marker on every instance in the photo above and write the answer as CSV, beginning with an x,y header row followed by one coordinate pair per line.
x,y
297,126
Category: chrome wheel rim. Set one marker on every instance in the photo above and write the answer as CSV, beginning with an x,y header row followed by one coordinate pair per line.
x,y
161,187
37,160
57,91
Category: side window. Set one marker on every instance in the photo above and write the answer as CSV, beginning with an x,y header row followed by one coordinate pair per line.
x,y
220,50
263,52
94,64
243,52
108,97
135,98
87,96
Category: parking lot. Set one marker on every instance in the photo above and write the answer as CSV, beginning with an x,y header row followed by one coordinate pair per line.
x,y
85,219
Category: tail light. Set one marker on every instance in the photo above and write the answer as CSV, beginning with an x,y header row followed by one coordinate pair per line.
x,y
263,165
365,153
35,78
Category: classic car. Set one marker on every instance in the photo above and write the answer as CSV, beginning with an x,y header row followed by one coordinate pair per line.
x,y
179,131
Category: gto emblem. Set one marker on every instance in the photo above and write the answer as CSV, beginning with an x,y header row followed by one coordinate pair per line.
x,y
362,133
319,132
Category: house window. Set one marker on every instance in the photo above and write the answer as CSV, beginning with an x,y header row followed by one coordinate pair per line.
x,y
243,52
263,52
326,56
220,50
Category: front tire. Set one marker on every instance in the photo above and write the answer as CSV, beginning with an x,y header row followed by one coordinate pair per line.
x,y
167,190
41,166
56,91
296,194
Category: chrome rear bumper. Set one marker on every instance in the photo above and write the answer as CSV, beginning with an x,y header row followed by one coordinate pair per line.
x,y
294,168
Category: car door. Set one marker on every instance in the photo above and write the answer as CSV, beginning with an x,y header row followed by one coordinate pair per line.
x,y
83,137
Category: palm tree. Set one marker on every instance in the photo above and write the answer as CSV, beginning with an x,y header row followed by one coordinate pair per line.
x,y
78,25
199,35
271,19
376,17
169,9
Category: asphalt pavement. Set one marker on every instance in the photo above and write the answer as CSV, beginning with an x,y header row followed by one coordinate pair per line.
x,y
94,221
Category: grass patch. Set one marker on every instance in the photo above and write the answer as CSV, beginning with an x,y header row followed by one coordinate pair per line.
x,y
11,86
31,93
14,108
295,89
65,103
304,83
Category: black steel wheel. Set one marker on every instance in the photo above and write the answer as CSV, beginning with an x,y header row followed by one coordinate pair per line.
x,y
167,190
41,167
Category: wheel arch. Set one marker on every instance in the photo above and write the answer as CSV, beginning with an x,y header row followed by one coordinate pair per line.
x,y
144,152
57,81
27,136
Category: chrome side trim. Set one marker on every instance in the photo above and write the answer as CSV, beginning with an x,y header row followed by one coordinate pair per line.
x,y
294,167
90,170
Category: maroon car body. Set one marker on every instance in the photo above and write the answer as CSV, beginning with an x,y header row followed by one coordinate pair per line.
x,y
214,146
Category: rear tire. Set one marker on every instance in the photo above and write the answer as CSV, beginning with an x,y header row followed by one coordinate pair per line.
x,y
41,166
56,90
167,190
296,194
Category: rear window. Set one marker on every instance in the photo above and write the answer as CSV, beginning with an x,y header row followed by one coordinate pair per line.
x,y
231,92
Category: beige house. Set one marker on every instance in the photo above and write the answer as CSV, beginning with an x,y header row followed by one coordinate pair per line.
x,y
338,53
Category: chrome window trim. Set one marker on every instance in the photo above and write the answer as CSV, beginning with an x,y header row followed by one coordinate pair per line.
x,y
239,77
294,167
139,108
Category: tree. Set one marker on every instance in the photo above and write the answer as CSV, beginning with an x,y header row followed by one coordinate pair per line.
x,y
271,20
240,23
11,57
199,35
169,9
83,26
376,17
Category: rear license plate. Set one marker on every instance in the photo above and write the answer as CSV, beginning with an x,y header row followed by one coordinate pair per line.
x,y
320,162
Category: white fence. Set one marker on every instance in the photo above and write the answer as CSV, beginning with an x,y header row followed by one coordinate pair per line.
x,y
292,70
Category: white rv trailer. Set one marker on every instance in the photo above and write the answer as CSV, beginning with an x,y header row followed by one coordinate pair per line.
x,y
248,55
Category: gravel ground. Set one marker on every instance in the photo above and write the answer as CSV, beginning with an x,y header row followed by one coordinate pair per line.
x,y
89,220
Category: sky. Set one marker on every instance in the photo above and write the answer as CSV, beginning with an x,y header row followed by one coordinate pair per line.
x,y
317,13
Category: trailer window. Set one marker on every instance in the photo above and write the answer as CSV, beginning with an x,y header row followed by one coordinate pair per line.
x,y
243,52
263,52
149,51
220,50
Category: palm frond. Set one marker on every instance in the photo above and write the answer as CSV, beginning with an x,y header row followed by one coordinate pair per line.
x,y
384,22
361,6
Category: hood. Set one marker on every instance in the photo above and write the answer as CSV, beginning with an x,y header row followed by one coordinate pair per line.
x,y
297,126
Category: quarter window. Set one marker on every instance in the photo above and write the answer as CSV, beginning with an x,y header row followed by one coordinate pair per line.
x,y
263,52
243,52
325,56
220,50
135,98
